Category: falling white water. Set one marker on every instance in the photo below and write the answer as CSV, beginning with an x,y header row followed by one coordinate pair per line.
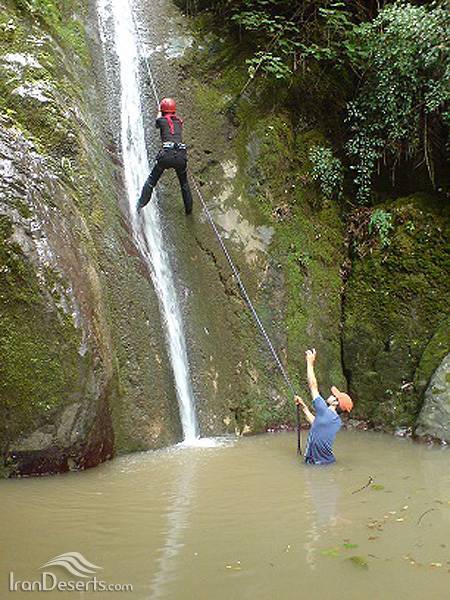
x,y
116,16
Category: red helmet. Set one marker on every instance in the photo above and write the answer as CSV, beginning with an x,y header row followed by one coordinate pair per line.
x,y
168,105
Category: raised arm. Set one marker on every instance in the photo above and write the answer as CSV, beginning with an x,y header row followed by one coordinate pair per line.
x,y
312,381
308,414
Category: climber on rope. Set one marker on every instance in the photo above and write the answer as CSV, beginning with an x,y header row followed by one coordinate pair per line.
x,y
327,422
173,155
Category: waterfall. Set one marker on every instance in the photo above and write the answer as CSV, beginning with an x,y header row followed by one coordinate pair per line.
x,y
116,20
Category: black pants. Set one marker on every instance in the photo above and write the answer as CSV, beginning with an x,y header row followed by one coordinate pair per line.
x,y
168,158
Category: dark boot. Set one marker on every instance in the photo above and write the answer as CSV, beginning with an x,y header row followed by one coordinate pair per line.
x,y
150,184
145,198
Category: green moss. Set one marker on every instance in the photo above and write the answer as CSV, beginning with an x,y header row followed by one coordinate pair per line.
x,y
307,250
50,124
307,244
222,66
23,208
395,300
435,351
209,100
61,19
40,368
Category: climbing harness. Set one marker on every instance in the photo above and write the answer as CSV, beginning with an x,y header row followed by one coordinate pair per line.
x,y
174,145
233,267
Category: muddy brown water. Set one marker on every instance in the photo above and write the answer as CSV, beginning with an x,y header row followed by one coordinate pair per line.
x,y
243,520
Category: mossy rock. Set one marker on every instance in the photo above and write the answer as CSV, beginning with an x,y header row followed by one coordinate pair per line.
x,y
308,245
41,367
43,372
434,419
300,303
395,301
435,351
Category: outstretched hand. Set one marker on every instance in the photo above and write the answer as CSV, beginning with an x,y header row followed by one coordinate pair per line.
x,y
311,356
299,401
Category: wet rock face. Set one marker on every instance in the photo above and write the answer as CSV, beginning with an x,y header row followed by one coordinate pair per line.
x,y
83,368
434,419
56,366
376,319
287,250
233,377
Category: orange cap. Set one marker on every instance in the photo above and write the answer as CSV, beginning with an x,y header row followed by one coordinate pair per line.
x,y
345,402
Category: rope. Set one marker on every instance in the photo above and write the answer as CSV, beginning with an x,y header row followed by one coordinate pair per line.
x,y
242,288
250,305
234,270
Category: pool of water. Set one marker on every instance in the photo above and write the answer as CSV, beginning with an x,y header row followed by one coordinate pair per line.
x,y
242,520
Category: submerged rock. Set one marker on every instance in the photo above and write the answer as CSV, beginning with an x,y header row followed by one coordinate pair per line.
x,y
434,419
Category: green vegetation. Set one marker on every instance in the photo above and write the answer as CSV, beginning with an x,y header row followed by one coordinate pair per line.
x,y
381,221
327,170
401,104
40,367
364,284
62,19
393,69
395,304
36,96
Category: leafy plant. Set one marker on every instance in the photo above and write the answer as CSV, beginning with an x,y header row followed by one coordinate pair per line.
x,y
288,36
327,170
270,64
404,89
381,221
396,58
334,552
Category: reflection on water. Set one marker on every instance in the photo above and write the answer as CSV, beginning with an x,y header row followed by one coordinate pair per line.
x,y
244,520
322,494
178,509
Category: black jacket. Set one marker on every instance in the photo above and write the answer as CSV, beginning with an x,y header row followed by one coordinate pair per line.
x,y
166,136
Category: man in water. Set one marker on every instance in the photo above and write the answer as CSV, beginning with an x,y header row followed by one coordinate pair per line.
x,y
173,155
327,422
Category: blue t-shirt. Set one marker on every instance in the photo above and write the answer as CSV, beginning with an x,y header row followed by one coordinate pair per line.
x,y
319,447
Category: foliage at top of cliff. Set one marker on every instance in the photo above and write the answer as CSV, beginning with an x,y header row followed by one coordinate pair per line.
x,y
402,102
390,60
